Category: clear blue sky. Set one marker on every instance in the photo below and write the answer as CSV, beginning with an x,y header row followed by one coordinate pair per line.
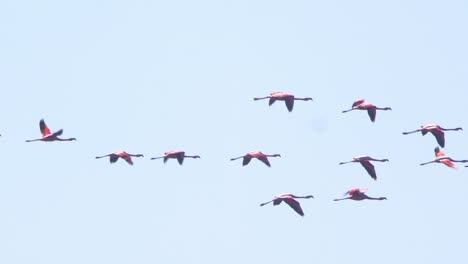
x,y
152,76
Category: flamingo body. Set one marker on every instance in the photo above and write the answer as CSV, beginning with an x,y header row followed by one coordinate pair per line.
x,y
362,104
48,136
258,155
290,200
178,154
365,161
442,158
436,130
113,157
280,96
358,194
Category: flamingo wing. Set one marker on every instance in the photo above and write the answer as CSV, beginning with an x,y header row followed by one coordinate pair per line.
x,y
113,158
294,205
448,163
358,102
277,201
246,160
58,133
371,111
264,159
289,103
439,135
369,168
44,129
128,159
271,101
180,159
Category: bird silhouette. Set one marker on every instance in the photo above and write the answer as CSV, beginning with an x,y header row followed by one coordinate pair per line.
x,y
280,96
442,158
179,155
47,136
256,154
366,163
113,157
358,194
290,200
435,130
361,104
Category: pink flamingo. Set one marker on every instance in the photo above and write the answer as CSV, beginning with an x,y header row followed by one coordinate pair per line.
x,y
365,162
435,130
113,157
289,199
47,136
280,96
256,154
179,155
361,104
358,194
442,158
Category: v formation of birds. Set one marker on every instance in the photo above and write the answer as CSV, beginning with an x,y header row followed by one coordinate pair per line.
x,y
356,194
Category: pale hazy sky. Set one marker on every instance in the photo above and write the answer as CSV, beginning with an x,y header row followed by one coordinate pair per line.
x,y
153,76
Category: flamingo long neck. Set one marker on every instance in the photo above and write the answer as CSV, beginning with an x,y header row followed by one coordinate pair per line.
x,y
451,129
341,199
32,140
65,139
374,198
261,98
302,197
383,108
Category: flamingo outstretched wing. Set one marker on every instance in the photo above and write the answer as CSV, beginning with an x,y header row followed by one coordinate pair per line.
x,y
44,129
294,205
369,168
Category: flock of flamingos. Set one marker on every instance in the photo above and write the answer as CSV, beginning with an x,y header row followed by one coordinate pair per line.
x,y
356,194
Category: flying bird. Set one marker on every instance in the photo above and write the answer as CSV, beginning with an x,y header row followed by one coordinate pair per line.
x,y
361,104
179,155
435,130
280,96
366,163
442,158
47,136
113,157
358,194
289,199
256,154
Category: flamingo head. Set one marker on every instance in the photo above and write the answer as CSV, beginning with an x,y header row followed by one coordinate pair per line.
x,y
196,157
139,155
276,155
382,198
385,160
308,99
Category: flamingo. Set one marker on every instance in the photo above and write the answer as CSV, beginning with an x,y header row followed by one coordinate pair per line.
x,y
280,96
113,157
256,154
358,194
436,130
361,104
289,199
179,155
442,158
365,162
47,136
